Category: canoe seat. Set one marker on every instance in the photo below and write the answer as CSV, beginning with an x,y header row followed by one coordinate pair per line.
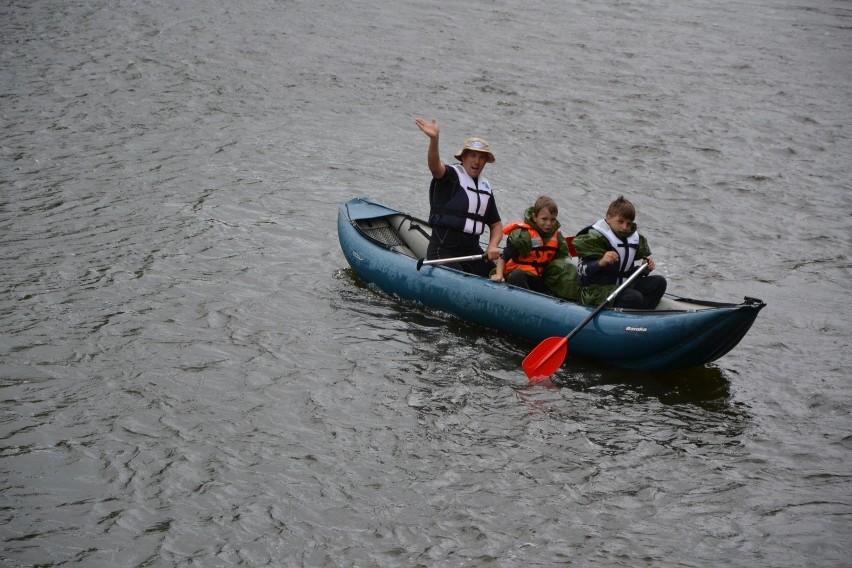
x,y
380,231
413,233
398,232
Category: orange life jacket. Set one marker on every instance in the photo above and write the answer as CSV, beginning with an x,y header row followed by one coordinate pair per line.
x,y
541,255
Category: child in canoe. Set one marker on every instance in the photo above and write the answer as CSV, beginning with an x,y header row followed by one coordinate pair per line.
x,y
609,251
536,254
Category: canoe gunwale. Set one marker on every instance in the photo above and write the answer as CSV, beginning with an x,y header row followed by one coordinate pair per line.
x,y
403,248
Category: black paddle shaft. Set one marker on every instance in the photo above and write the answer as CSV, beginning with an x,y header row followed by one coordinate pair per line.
x,y
609,298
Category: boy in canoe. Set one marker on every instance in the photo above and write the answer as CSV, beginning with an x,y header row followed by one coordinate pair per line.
x,y
536,254
609,252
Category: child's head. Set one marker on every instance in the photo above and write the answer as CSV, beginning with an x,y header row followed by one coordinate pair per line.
x,y
620,215
544,213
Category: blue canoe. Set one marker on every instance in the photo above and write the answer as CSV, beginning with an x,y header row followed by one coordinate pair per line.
x,y
383,247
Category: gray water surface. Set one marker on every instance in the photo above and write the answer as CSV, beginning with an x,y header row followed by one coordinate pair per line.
x,y
192,376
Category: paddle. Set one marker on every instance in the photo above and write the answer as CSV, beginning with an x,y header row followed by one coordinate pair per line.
x,y
423,261
548,356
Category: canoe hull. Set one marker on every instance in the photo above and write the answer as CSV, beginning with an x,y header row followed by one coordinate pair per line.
x,y
629,339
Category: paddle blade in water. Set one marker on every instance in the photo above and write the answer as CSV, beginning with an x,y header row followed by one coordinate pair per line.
x,y
545,358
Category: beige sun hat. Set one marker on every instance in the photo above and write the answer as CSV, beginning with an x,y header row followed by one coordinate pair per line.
x,y
477,144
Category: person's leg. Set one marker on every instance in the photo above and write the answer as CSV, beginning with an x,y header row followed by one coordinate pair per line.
x,y
523,279
651,288
537,284
630,299
479,267
446,243
518,278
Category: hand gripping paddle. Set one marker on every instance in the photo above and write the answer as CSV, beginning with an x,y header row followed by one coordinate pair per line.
x,y
423,261
548,356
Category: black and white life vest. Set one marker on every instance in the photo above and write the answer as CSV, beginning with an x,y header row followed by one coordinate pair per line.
x,y
626,248
466,209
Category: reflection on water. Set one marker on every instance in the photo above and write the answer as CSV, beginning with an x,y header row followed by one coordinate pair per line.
x,y
462,367
706,386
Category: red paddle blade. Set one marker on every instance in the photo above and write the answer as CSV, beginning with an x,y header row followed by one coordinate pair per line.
x,y
545,358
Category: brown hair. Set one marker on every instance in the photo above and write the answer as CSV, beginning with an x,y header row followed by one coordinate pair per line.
x,y
545,202
621,208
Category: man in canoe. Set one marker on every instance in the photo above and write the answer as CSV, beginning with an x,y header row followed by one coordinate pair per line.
x,y
608,252
461,204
